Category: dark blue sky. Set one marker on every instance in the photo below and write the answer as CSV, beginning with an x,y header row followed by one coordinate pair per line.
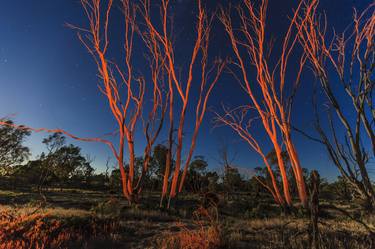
x,y
48,79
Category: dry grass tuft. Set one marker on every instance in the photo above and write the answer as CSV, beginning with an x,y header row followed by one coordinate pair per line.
x,y
206,233
29,231
37,229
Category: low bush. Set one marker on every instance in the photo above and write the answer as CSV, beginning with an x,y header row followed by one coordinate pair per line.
x,y
205,234
39,230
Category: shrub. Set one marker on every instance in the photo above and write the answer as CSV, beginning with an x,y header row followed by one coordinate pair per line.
x,y
107,209
205,235
39,230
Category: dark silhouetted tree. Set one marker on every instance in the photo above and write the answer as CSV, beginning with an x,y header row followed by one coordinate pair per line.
x,y
196,178
12,150
344,66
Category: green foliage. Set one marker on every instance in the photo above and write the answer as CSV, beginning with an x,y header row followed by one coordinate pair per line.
x,y
107,209
63,164
213,181
115,180
197,178
69,163
159,160
263,174
12,150
232,179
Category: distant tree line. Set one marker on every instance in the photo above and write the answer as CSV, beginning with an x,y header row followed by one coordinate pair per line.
x,y
62,165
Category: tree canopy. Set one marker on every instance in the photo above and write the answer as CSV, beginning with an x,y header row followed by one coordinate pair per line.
x,y
12,150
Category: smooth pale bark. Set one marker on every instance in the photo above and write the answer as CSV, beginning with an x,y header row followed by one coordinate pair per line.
x,y
248,42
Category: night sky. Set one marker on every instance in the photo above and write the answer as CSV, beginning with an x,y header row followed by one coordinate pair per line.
x,y
48,79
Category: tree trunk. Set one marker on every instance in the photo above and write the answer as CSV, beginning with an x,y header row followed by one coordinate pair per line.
x,y
314,210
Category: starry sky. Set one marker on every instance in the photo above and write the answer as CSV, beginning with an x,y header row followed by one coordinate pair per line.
x,y
48,79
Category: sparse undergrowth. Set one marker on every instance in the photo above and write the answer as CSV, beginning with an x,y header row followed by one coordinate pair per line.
x,y
205,234
38,229
111,223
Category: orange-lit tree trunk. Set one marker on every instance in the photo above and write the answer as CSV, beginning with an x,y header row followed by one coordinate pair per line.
x,y
273,105
169,159
234,119
125,93
160,99
96,40
183,87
